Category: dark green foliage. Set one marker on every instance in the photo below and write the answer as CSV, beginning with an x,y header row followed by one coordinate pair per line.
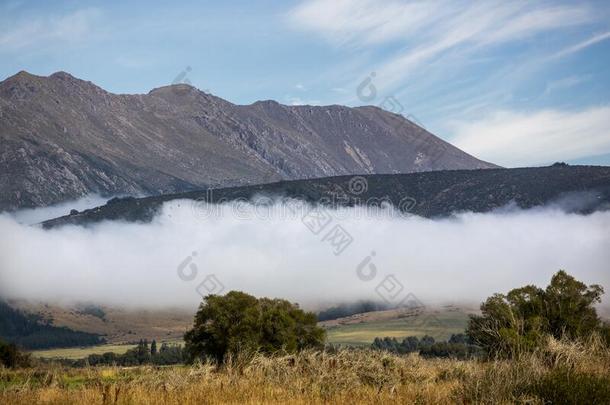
x,y
518,321
11,357
460,338
238,322
167,355
567,386
344,310
30,332
153,348
458,346
143,352
410,344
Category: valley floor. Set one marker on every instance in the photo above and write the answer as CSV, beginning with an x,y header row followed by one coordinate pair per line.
x,y
356,330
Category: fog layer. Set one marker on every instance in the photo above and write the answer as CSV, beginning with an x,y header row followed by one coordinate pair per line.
x,y
187,252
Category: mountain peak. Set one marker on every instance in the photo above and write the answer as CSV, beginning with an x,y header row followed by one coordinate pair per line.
x,y
62,76
179,89
82,139
20,76
23,73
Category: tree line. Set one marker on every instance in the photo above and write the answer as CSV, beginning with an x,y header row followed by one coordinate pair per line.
x,y
458,346
142,354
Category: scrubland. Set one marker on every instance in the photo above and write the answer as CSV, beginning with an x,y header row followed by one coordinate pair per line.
x,y
558,372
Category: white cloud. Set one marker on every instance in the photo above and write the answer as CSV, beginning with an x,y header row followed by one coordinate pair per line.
x,y
363,21
299,101
519,139
31,216
584,44
523,22
565,83
268,252
72,27
428,29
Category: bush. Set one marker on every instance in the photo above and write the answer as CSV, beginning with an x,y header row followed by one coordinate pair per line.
x,y
238,322
11,357
519,321
566,386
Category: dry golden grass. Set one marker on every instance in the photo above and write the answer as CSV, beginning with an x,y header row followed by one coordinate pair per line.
x,y
347,376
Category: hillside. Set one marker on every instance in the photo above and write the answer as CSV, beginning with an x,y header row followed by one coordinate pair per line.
x,y
62,138
32,332
117,325
428,194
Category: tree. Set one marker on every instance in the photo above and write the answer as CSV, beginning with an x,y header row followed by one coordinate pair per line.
x,y
142,353
11,356
238,322
153,348
458,346
518,321
570,306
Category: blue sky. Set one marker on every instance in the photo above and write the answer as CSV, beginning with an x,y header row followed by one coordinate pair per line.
x,y
515,83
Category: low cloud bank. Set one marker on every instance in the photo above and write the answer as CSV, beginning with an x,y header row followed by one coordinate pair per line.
x,y
275,251
32,216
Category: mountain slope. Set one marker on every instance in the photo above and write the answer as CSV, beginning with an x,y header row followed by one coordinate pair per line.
x,y
31,332
61,138
428,194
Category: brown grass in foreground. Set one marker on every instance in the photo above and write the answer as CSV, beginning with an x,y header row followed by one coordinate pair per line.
x,y
348,376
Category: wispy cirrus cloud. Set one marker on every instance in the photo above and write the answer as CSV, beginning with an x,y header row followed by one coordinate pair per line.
x,y
362,21
37,31
584,44
429,29
458,61
513,138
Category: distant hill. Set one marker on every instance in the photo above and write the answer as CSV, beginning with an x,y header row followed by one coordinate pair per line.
x,y
428,194
62,138
31,332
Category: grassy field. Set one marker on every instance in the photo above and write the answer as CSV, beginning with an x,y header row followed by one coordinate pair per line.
x,y
560,372
440,325
75,353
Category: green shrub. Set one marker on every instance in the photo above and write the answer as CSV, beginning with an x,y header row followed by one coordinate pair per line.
x,y
12,357
238,322
566,386
519,321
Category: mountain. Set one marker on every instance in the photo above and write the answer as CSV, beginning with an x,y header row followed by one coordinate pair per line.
x,y
62,138
429,194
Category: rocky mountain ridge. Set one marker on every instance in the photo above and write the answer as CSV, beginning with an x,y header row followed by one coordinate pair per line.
x,y
62,138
